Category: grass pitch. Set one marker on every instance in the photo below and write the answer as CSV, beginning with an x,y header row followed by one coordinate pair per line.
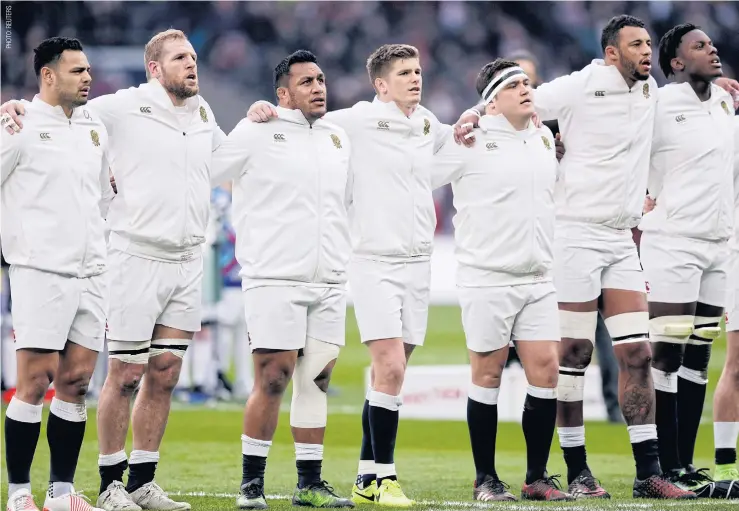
x,y
201,453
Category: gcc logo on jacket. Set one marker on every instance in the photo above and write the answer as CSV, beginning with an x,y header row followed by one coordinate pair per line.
x,y
44,136
383,125
279,137
145,109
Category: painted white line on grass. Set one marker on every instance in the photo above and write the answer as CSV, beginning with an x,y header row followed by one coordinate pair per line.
x,y
445,505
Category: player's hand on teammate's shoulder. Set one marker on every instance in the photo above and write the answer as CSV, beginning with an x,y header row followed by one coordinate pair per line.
x,y
10,119
261,111
463,128
559,146
732,87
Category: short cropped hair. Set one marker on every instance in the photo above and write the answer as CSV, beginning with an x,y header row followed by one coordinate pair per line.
x,y
282,71
668,46
609,36
488,72
378,64
50,51
153,49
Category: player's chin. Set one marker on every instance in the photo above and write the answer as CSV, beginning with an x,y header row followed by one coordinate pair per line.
x,y
80,101
318,110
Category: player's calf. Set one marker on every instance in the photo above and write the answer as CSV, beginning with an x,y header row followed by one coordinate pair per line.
x,y
575,354
36,371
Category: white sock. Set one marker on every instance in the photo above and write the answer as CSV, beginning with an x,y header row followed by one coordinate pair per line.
x,y
107,460
14,487
385,470
308,451
642,433
143,457
725,435
571,437
58,489
254,447
366,467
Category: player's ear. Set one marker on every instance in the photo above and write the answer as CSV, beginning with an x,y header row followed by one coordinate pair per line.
x,y
611,52
380,85
677,64
281,93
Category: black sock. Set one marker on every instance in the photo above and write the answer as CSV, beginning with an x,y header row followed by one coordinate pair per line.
x,y
725,456
111,473
65,441
646,456
538,422
576,460
139,474
309,472
666,418
21,438
482,422
252,467
384,430
366,451
691,397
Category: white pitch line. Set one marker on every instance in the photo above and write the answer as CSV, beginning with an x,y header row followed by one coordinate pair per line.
x,y
446,504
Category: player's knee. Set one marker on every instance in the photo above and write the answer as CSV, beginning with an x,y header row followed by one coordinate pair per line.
x,y
275,379
391,372
35,385
74,383
165,379
487,380
547,373
310,383
127,377
667,357
576,354
635,357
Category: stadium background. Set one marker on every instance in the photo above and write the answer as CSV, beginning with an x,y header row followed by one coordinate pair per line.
x,y
238,44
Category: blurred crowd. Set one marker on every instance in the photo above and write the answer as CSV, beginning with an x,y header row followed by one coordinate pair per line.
x,y
241,42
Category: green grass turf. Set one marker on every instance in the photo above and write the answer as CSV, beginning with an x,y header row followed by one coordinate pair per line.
x,y
201,453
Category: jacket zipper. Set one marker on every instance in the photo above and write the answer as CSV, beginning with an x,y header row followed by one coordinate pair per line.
x,y
86,220
320,204
187,188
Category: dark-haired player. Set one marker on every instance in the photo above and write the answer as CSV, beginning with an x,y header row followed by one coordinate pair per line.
x,y
291,178
504,195
684,248
55,193
606,116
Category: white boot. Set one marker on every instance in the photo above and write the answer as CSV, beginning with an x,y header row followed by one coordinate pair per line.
x,y
116,498
150,496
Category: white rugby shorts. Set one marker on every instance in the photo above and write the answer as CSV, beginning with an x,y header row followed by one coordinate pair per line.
x,y
391,300
49,309
146,292
589,258
283,317
685,270
732,295
495,315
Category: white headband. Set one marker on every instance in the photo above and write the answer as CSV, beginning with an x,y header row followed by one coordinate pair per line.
x,y
506,77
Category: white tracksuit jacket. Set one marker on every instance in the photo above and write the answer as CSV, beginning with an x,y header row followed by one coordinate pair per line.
x,y
161,159
692,165
504,196
56,191
289,200
607,129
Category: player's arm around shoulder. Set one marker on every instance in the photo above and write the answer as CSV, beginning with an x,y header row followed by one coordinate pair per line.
x,y
237,151
18,146
450,160
558,98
